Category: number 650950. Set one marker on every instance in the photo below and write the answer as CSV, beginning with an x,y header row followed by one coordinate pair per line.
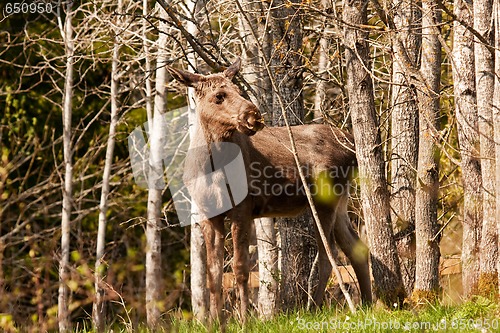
x,y
25,8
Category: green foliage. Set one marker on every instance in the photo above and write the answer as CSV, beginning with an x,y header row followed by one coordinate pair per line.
x,y
474,316
478,307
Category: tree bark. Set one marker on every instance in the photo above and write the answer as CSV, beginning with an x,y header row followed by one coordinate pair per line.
x,y
467,119
147,58
63,315
198,253
156,184
374,193
485,78
298,248
404,138
323,61
98,309
199,290
426,226
268,267
496,119
265,232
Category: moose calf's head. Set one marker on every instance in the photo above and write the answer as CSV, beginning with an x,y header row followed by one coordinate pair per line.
x,y
219,101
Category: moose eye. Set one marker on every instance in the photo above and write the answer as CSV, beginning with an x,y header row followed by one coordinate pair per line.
x,y
219,97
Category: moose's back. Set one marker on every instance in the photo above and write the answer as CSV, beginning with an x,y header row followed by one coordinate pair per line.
x,y
325,154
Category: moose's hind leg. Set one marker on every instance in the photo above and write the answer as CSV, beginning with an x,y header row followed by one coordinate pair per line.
x,y
357,252
324,266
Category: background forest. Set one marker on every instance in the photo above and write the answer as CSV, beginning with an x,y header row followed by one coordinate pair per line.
x,y
81,241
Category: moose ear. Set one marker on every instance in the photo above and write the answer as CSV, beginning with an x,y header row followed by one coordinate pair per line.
x,y
186,78
232,70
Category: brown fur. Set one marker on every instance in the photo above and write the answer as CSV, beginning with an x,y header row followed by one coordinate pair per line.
x,y
225,116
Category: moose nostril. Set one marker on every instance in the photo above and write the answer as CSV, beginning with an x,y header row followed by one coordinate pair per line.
x,y
255,123
251,119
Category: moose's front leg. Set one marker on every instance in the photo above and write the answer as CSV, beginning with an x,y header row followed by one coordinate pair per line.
x,y
240,230
213,231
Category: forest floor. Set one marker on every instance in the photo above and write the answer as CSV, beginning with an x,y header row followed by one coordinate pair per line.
x,y
477,315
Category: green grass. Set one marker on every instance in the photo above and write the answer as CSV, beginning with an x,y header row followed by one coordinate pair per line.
x,y
477,315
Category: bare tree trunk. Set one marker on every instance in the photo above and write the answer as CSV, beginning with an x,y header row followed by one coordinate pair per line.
x,y
496,118
250,69
466,112
63,315
323,60
153,228
154,292
484,62
266,51
198,253
374,193
199,292
265,232
426,227
298,248
404,138
147,60
268,267
99,310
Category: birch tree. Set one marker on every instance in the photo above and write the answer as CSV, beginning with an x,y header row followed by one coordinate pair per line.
x,y
496,116
66,30
156,184
148,88
374,193
426,227
198,253
484,63
253,53
323,61
467,120
404,137
98,310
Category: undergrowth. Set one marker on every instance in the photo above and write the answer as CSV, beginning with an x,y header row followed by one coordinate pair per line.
x,y
480,314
